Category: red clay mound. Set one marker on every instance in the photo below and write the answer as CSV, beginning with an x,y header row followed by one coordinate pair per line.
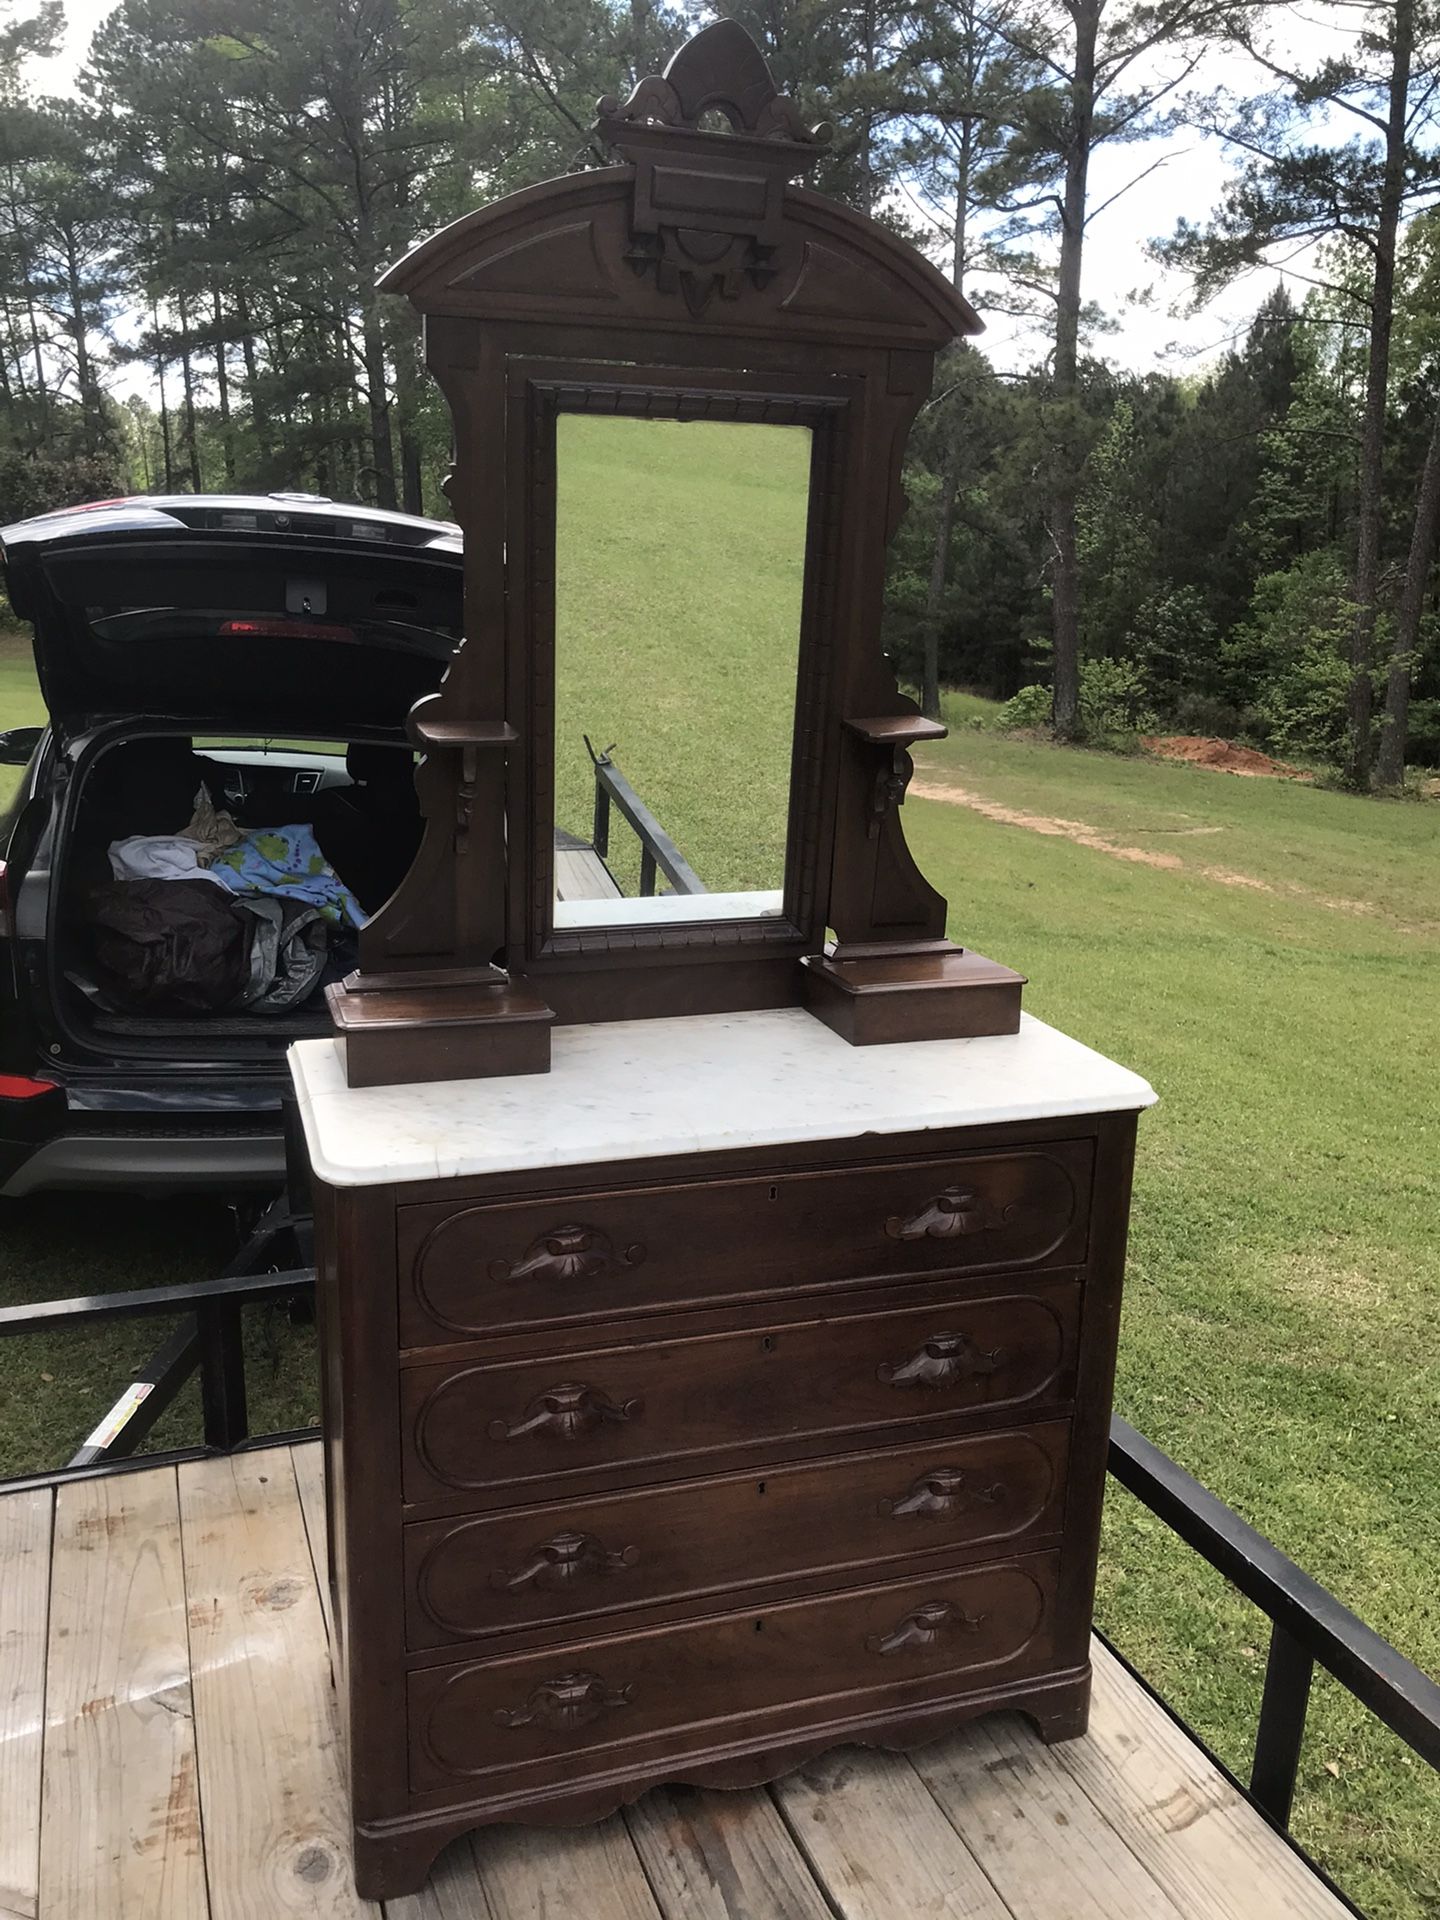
x,y
1221,754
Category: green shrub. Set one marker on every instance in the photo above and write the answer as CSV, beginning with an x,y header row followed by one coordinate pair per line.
x,y
1114,702
1295,645
1174,643
1026,710
1302,704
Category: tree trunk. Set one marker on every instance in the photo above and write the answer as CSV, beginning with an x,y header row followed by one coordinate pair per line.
x,y
222,390
84,371
1370,500
187,391
165,441
1064,543
935,595
1390,762
259,419
382,446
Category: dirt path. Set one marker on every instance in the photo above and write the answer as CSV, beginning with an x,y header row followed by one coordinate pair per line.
x,y
1084,835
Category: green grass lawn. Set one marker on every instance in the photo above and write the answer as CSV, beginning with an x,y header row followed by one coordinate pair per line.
x,y
1276,981
679,565
1280,1329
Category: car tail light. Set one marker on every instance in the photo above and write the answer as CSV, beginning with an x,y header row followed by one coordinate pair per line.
x,y
289,629
18,1086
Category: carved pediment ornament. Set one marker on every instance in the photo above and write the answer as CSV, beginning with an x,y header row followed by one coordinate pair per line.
x,y
707,206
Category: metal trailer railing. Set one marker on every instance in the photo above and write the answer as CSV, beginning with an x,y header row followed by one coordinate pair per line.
x,y
658,852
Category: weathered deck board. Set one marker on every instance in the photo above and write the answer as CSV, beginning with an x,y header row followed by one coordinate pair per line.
x,y
1207,1847
120,1824
1045,1845
25,1599
710,1856
880,1844
580,874
530,1872
1131,1823
276,1828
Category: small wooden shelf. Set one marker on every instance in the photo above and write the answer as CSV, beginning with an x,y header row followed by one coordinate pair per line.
x,y
465,733
896,730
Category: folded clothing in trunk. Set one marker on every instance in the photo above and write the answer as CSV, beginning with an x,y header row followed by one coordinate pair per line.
x,y
172,946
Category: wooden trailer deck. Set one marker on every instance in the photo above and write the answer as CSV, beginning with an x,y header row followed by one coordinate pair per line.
x,y
168,1751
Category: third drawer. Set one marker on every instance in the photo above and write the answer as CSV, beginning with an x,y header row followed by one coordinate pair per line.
x,y
538,1567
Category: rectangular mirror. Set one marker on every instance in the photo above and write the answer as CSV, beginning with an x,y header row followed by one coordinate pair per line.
x,y
679,582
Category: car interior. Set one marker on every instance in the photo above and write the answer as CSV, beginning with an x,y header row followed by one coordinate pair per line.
x,y
223,881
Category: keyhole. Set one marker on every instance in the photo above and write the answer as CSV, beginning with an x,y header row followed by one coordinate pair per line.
x,y
761,1487
774,1193
759,1626
767,1344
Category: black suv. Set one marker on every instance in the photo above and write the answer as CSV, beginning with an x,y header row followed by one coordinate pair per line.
x,y
242,663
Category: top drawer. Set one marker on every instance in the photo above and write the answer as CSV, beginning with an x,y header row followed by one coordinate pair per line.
x,y
578,1257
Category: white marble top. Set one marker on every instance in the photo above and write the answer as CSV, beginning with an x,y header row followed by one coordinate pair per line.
x,y
699,1085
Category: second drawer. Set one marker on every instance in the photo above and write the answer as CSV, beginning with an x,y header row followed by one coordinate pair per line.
x,y
574,1417
540,1566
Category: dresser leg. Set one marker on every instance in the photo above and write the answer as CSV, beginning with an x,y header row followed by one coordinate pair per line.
x,y
391,1865
1064,1714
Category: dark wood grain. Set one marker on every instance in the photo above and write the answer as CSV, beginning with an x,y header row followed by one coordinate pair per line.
x,y
718,1395
538,1710
587,1257
691,282
500,1574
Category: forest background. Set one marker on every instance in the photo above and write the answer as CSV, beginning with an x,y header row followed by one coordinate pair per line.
x,y
190,238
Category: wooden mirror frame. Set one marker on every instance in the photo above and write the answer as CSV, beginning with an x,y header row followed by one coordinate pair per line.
x,y
689,282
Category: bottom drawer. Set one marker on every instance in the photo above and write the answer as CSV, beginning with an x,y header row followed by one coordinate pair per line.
x,y
531,1716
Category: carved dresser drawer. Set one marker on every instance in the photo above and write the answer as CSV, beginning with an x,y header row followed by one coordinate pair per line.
x,y
586,1418
532,1714
841,1517
471,1269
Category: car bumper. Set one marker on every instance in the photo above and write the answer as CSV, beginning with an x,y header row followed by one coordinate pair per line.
x,y
143,1162
154,1140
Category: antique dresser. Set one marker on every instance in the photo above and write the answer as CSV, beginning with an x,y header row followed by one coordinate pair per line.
x,y
724,1394
719,1274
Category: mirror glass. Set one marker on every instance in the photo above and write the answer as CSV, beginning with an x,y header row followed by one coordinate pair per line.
x,y
679,576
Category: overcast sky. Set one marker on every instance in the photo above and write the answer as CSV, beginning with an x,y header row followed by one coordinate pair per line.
x,y
1156,332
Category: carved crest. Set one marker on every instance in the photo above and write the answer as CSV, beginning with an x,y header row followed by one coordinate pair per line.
x,y
707,203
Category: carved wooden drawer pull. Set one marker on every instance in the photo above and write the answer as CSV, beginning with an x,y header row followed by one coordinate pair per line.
x,y
944,1359
942,1491
955,1211
571,1252
561,1559
925,1626
567,1411
565,1704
